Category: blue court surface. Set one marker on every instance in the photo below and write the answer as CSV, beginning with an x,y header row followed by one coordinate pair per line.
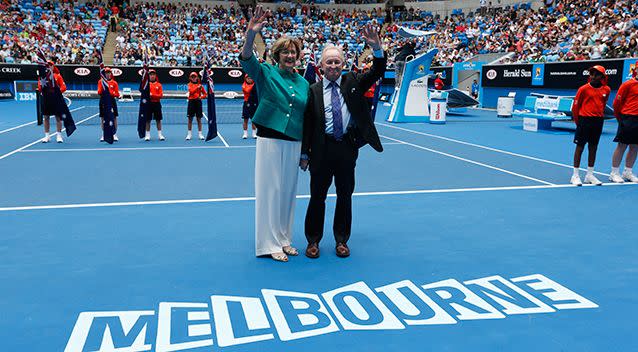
x,y
466,237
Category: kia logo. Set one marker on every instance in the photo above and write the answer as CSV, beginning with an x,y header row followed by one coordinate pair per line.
x,y
176,72
116,72
235,73
11,70
491,74
230,94
82,71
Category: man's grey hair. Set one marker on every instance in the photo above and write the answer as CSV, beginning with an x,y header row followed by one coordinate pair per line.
x,y
332,46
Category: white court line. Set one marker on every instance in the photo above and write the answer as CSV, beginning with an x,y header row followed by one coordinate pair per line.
x,y
218,133
473,162
40,139
116,149
487,148
31,123
16,127
303,196
132,149
222,138
389,143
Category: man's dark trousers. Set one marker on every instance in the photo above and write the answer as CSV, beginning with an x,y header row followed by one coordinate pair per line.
x,y
339,161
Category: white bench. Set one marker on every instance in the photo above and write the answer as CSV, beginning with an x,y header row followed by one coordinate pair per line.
x,y
127,95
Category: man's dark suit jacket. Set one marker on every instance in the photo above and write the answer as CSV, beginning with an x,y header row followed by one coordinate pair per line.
x,y
361,130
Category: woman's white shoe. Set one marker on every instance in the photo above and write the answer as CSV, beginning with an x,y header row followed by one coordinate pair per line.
x,y
280,257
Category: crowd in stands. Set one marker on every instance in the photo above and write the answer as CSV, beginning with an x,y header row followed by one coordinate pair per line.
x,y
180,34
67,32
331,1
565,30
316,26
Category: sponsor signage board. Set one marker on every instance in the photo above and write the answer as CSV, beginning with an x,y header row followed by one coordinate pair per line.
x,y
507,76
557,75
90,74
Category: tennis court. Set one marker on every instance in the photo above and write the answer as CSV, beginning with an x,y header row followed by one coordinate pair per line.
x,y
466,236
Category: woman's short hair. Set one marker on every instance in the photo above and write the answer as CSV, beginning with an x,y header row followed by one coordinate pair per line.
x,y
284,43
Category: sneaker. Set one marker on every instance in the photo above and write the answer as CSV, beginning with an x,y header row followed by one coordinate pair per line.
x,y
102,138
245,135
591,179
200,136
147,137
254,134
615,178
115,139
189,136
161,136
46,138
576,180
58,138
629,176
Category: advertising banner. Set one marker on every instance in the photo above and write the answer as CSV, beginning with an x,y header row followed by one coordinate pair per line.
x,y
571,75
5,94
629,67
90,74
538,74
557,75
507,76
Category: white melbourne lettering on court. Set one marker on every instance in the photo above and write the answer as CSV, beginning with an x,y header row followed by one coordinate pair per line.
x,y
181,326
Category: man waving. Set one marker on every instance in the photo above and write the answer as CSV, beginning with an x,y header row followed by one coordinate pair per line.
x,y
336,124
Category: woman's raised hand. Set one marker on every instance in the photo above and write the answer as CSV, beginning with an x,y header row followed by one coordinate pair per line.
x,y
258,19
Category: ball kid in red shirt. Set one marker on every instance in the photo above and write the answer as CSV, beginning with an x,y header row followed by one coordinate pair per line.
x,y
588,112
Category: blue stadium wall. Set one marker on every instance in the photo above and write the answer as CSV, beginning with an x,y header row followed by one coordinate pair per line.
x,y
562,78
